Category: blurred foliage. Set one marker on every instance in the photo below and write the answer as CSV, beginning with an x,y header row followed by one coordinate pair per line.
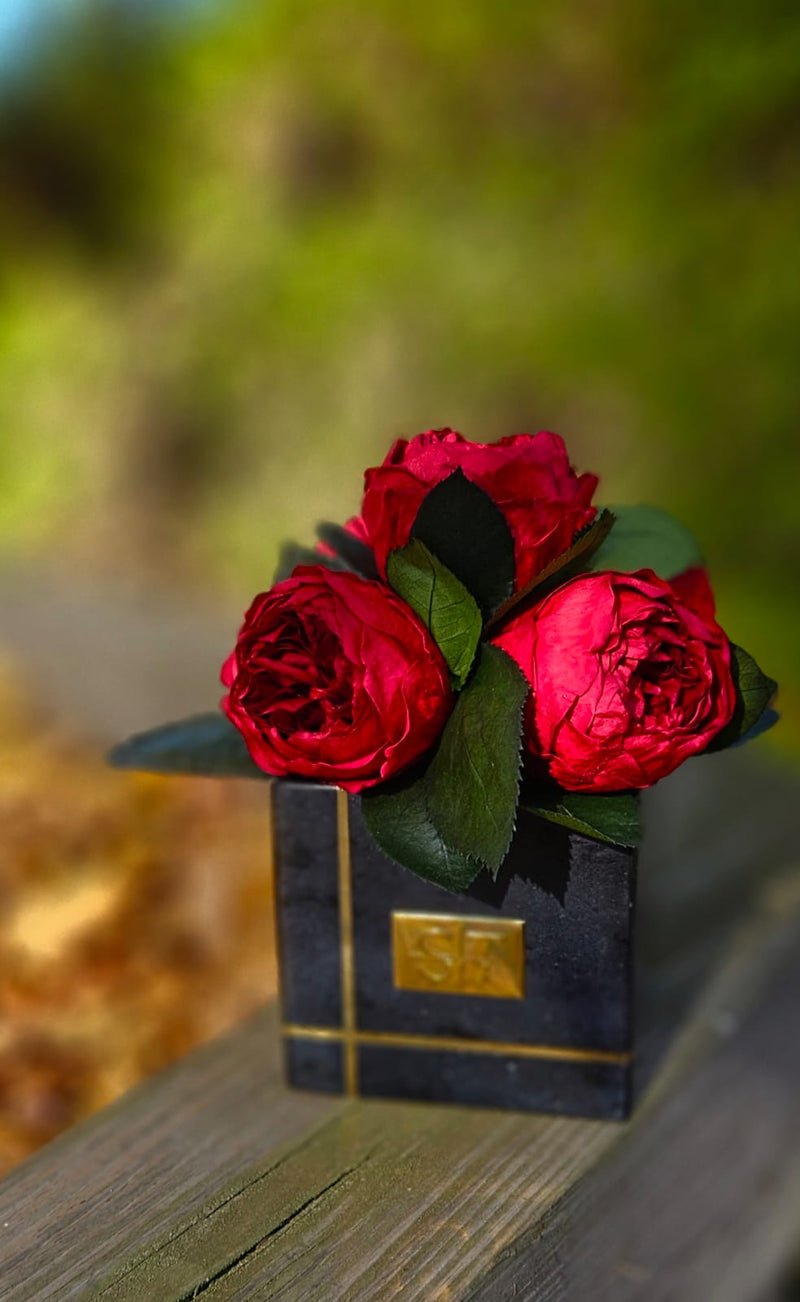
x,y
241,255
136,923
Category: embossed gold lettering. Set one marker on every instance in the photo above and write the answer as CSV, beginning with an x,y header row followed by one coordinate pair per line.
x,y
459,954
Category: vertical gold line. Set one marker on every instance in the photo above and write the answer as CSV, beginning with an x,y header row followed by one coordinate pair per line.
x,y
272,879
349,1045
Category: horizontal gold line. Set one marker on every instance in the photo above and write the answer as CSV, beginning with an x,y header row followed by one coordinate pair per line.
x,y
313,1032
456,1044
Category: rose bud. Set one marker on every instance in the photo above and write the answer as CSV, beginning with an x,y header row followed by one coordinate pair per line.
x,y
527,475
630,676
333,677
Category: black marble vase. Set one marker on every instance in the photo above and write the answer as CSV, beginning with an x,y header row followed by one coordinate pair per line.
x,y
514,994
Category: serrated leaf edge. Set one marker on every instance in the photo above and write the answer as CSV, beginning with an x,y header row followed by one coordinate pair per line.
x,y
494,871
582,548
451,850
562,813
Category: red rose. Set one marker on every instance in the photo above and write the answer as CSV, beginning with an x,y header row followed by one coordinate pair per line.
x,y
527,475
630,676
694,590
334,677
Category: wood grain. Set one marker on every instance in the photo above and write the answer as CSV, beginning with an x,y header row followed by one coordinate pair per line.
x,y
112,1186
409,1201
213,1181
701,1203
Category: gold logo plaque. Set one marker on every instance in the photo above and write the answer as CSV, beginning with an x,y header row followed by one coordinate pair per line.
x,y
459,955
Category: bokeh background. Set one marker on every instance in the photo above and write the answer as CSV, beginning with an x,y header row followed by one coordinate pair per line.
x,y
244,244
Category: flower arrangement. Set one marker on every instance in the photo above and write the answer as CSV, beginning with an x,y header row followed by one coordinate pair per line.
x,y
482,638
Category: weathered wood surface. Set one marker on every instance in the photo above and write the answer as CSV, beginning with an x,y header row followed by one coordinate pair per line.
x,y
213,1181
117,1183
702,1198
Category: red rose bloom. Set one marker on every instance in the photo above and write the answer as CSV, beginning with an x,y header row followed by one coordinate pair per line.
x,y
334,677
630,676
527,475
694,590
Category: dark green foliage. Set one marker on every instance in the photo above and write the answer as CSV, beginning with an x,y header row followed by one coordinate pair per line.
x,y
755,693
647,538
398,818
442,603
763,724
473,778
467,532
206,745
613,818
458,814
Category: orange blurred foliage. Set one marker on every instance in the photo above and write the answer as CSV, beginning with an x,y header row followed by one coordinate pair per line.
x,y
135,923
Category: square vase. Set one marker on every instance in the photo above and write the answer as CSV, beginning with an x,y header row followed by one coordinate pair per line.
x,y
515,994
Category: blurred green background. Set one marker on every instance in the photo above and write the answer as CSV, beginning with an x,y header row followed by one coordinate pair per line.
x,y
244,246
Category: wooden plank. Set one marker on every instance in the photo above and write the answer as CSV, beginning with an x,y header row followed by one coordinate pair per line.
x,y
124,1179
213,1181
702,1201
388,1200
379,1200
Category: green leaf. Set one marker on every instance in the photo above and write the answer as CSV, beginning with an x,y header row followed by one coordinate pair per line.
x,y
442,603
352,552
206,744
763,724
293,554
754,694
647,538
613,818
468,533
458,815
562,568
473,778
397,817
